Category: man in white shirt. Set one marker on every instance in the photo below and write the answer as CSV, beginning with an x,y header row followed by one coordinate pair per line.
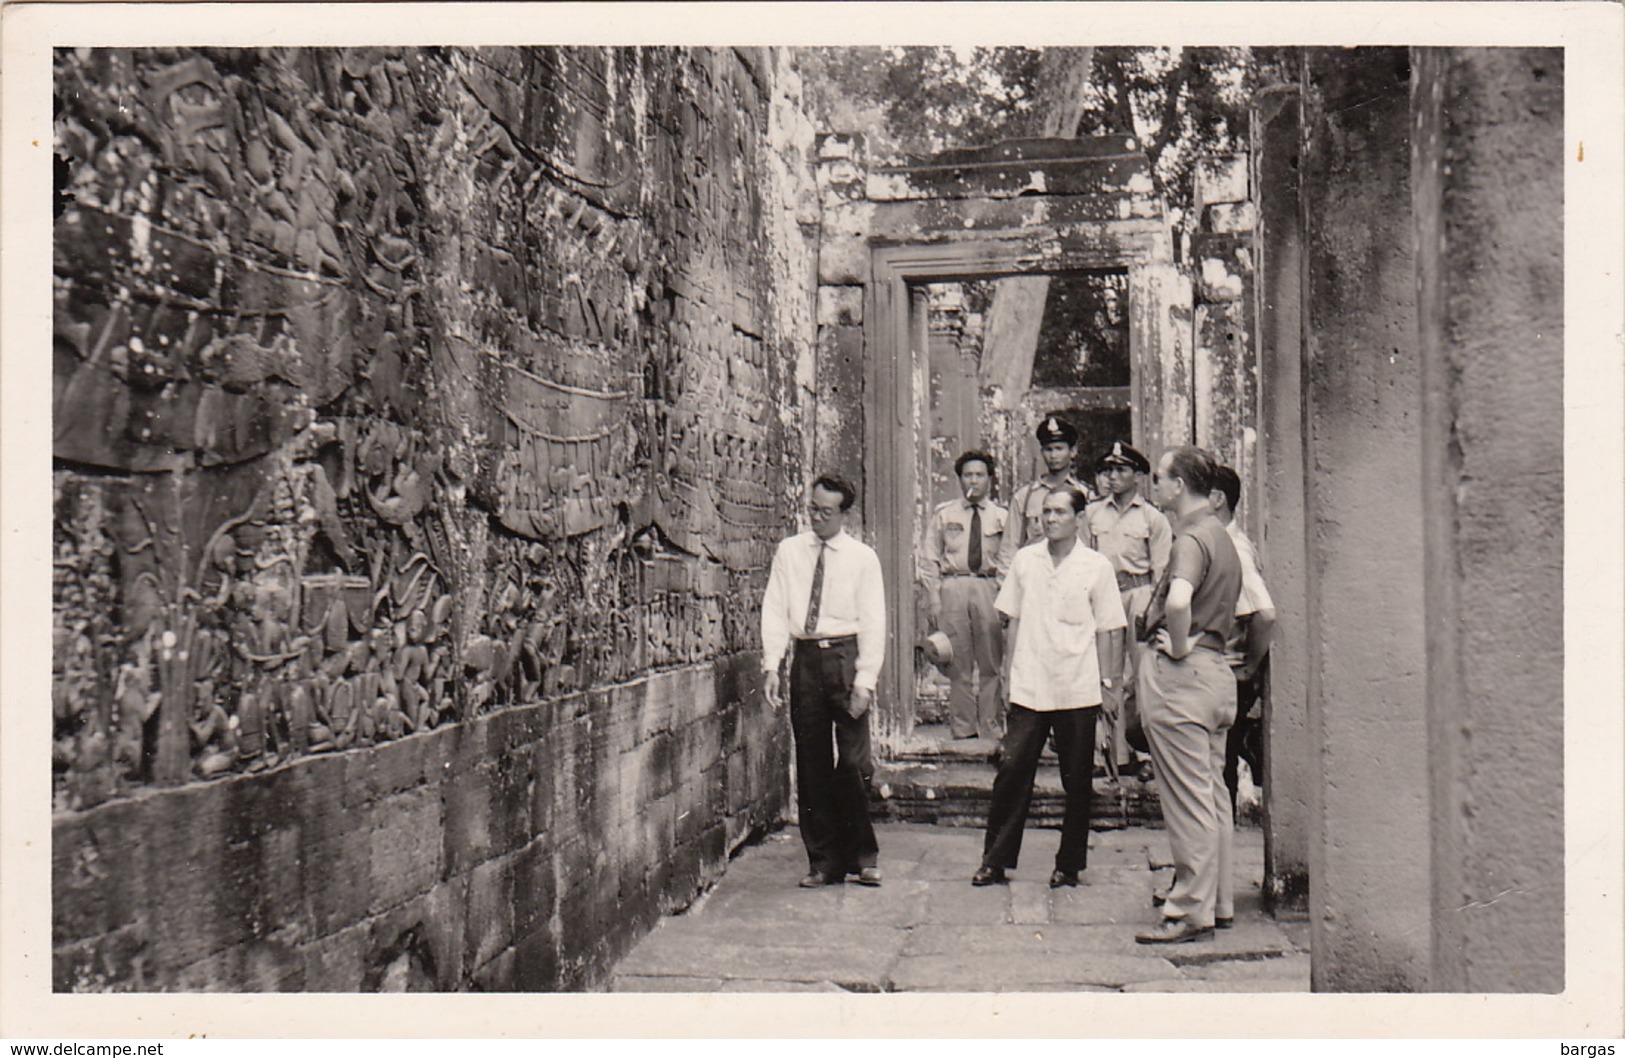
x,y
1249,646
1066,631
826,608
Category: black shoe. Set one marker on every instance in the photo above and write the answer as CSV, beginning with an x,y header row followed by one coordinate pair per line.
x,y
1060,878
816,879
1146,773
988,876
1220,922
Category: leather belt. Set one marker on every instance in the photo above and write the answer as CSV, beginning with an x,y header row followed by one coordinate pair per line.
x,y
1126,581
825,642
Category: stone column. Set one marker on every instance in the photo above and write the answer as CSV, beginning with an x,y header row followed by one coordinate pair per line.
x,y
1226,358
1488,183
843,268
1278,512
1370,891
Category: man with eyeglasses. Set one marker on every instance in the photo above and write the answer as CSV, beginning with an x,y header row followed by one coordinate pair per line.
x,y
826,608
1135,537
961,566
1188,697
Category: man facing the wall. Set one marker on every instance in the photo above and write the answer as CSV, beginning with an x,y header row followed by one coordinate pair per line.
x,y
1188,697
961,565
1249,645
825,606
1063,646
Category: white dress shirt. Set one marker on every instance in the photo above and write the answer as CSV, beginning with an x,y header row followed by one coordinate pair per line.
x,y
852,601
1254,595
1054,665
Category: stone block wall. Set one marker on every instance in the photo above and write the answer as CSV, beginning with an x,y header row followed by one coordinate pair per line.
x,y
404,400
1367,694
1490,224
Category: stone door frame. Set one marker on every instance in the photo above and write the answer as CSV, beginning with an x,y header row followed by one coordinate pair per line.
x,y
890,443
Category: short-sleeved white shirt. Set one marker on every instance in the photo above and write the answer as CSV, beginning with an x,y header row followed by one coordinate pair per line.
x,y
1053,665
1254,595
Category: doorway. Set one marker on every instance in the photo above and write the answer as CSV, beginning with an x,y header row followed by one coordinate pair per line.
x,y
1074,356
948,373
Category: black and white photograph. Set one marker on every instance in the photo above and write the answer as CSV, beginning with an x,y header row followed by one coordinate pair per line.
x,y
1021,513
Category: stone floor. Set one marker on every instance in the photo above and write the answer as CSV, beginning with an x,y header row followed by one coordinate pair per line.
x,y
928,930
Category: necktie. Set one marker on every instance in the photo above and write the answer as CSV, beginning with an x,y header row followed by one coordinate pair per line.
x,y
817,590
974,558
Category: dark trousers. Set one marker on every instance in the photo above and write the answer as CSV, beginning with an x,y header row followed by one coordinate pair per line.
x,y
1025,733
832,789
1246,739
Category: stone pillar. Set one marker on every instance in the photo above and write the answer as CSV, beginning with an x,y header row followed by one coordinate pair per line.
x,y
1488,182
1226,357
843,268
1160,298
1369,858
1278,512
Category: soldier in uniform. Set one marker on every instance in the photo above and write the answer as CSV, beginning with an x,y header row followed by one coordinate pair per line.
x,y
962,562
1136,538
1058,444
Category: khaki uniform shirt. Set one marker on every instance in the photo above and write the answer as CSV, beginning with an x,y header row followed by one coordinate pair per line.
x,y
1137,538
1026,510
946,549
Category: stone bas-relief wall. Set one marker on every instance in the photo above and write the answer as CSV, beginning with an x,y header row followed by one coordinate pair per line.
x,y
394,389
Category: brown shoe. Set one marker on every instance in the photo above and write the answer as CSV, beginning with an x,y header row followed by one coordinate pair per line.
x,y
1174,931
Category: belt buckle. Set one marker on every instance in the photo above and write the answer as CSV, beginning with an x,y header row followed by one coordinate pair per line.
x,y
824,644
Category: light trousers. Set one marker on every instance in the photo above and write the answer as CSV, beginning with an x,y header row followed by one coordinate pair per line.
x,y
1187,707
972,625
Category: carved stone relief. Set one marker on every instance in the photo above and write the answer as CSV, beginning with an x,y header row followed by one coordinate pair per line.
x,y
395,386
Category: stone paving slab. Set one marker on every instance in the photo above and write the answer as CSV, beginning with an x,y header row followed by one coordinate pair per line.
x,y
774,932
928,929
1111,904
1036,941
1015,971
1182,985
862,968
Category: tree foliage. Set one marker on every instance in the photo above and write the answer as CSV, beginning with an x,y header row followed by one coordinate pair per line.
x,y
1181,103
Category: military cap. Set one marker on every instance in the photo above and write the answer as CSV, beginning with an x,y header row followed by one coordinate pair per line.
x,y
1054,428
1121,454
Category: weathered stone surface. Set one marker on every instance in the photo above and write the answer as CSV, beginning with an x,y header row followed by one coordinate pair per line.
x,y
395,423
861,969
938,945
1015,971
1221,178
